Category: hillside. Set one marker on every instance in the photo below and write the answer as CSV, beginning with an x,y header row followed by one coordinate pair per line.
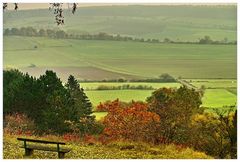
x,y
117,150
111,59
179,23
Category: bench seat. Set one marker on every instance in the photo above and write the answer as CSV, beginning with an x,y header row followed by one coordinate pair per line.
x,y
45,148
43,145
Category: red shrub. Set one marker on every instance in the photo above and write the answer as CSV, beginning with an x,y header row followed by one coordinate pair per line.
x,y
18,124
132,122
90,140
70,137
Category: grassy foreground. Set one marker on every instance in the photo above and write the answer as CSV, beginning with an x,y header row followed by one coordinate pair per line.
x,y
116,150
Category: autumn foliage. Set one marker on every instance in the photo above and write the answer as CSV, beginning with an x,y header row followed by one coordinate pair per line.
x,y
18,124
131,121
110,105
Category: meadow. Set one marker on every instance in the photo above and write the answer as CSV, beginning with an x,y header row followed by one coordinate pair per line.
x,y
214,98
213,83
97,60
93,60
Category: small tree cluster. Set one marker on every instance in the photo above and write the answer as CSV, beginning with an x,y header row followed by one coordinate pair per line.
x,y
175,108
47,101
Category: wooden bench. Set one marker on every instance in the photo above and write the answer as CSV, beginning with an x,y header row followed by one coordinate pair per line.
x,y
29,148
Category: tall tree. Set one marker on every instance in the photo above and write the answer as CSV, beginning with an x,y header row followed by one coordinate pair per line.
x,y
81,107
175,108
81,103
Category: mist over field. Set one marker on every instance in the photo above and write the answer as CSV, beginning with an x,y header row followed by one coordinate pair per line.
x,y
121,81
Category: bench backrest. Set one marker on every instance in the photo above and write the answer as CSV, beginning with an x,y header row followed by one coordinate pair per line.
x,y
40,141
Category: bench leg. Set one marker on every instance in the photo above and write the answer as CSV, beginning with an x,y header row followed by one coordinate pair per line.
x,y
61,155
28,152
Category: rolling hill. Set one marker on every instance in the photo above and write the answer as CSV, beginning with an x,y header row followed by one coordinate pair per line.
x,y
179,23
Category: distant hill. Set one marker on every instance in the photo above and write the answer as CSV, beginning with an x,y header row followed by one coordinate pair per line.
x,y
180,23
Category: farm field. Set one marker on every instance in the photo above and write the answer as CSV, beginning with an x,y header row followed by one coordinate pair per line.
x,y
214,83
180,23
98,60
213,98
85,60
124,95
216,98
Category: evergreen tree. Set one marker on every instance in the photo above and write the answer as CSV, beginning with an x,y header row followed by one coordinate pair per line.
x,y
54,99
82,105
81,108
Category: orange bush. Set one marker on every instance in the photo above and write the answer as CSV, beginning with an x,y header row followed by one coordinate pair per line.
x,y
132,122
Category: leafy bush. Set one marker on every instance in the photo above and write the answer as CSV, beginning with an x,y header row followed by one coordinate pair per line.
x,y
18,124
215,134
175,108
133,122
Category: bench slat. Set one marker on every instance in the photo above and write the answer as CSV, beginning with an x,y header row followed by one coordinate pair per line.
x,y
43,148
41,141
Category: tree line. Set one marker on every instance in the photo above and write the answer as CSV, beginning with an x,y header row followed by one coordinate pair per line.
x,y
163,78
123,87
60,34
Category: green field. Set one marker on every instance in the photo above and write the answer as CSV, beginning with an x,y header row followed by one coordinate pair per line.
x,y
213,98
114,59
218,98
180,23
98,60
214,83
124,95
111,60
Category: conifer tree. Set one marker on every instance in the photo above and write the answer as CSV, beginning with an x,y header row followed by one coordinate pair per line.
x,y
82,107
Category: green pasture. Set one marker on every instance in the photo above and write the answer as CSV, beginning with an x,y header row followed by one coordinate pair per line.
x,y
215,98
116,59
124,95
214,83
